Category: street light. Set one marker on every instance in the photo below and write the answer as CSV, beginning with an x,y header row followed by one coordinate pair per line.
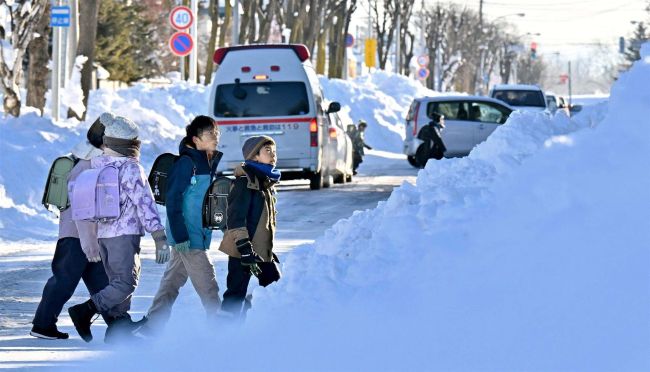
x,y
508,15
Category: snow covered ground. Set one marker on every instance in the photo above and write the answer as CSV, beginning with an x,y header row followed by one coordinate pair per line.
x,y
530,254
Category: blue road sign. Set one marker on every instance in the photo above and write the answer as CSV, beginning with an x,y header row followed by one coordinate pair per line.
x,y
181,43
423,73
60,16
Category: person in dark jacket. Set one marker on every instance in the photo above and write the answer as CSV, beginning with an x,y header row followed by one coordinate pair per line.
x,y
358,145
76,255
432,145
248,240
188,182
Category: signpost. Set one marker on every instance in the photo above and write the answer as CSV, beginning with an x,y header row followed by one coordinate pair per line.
x,y
181,43
60,17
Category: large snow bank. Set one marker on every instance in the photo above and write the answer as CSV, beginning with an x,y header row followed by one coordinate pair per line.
x,y
530,254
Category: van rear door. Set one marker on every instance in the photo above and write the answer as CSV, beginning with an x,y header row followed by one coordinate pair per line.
x,y
279,109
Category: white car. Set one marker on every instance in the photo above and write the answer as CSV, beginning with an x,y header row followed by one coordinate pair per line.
x,y
273,90
556,102
469,120
522,97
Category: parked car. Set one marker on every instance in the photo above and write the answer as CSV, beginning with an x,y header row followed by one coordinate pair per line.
x,y
272,89
469,120
555,102
520,96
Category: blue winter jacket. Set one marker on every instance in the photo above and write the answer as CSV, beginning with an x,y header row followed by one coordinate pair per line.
x,y
185,197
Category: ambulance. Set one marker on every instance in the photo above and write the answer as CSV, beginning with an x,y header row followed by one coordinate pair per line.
x,y
273,90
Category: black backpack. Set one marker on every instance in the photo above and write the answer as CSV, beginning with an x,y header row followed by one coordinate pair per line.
x,y
159,174
55,193
215,203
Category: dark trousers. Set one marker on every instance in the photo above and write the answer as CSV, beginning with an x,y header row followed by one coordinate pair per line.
x,y
69,265
237,286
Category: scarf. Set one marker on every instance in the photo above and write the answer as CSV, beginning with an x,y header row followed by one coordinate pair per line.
x,y
265,169
125,147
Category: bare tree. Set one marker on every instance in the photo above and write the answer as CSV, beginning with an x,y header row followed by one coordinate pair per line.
x,y
38,58
88,13
385,24
214,17
24,19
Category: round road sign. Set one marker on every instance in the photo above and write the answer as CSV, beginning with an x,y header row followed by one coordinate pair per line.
x,y
181,43
181,17
423,60
423,73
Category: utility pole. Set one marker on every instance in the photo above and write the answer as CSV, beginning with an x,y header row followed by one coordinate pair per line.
x,y
398,46
194,7
570,98
235,24
73,38
56,68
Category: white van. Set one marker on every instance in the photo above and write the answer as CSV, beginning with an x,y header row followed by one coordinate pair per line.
x,y
524,97
469,120
272,89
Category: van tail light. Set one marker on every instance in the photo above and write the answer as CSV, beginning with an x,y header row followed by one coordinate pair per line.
x,y
301,51
415,119
333,134
219,54
313,133
245,69
275,68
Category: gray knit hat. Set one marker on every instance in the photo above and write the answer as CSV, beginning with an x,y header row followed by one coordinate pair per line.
x,y
95,134
123,128
253,145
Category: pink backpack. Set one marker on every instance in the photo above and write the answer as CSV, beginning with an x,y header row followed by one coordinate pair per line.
x,y
96,194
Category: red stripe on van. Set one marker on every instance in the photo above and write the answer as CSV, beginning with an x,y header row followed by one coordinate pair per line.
x,y
265,121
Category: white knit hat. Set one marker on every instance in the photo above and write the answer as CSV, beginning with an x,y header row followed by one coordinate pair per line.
x,y
122,127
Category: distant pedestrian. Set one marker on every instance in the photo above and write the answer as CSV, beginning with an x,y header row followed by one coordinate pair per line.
x,y
248,240
119,239
76,255
432,145
358,145
187,184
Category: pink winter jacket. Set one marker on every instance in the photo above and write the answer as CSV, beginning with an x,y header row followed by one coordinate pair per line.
x,y
137,206
84,230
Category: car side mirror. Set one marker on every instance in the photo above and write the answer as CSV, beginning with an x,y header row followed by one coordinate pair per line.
x,y
334,107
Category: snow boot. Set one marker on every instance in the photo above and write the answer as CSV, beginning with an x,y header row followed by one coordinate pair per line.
x,y
82,317
50,333
120,328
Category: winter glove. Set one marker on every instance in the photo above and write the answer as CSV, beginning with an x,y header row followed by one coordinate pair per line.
x,y
94,259
248,257
182,247
162,249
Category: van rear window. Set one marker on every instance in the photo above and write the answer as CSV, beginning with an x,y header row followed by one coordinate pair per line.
x,y
521,97
261,99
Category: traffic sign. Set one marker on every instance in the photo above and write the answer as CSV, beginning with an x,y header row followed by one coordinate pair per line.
x,y
181,18
60,16
371,52
349,40
423,73
423,60
181,44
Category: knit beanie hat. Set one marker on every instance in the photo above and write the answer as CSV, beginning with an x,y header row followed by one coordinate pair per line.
x,y
253,145
123,128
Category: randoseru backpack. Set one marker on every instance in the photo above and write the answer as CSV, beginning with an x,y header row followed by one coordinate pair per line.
x,y
55,193
159,175
96,194
215,203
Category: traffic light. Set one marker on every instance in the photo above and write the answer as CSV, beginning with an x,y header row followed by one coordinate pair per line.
x,y
533,50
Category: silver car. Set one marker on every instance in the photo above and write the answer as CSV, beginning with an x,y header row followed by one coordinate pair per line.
x,y
469,120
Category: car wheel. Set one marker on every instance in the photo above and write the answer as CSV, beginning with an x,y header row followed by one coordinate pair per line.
x,y
348,178
327,180
339,178
412,161
316,181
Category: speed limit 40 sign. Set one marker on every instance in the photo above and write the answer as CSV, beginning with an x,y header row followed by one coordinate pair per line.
x,y
181,18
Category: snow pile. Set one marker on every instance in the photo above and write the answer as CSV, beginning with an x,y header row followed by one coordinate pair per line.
x,y
531,253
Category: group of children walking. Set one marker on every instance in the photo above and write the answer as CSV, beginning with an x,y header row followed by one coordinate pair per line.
x,y
106,253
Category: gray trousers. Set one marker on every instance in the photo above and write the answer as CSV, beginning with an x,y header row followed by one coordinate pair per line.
x,y
196,265
121,258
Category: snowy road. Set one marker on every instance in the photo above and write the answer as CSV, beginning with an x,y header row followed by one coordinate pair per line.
x,y
303,215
